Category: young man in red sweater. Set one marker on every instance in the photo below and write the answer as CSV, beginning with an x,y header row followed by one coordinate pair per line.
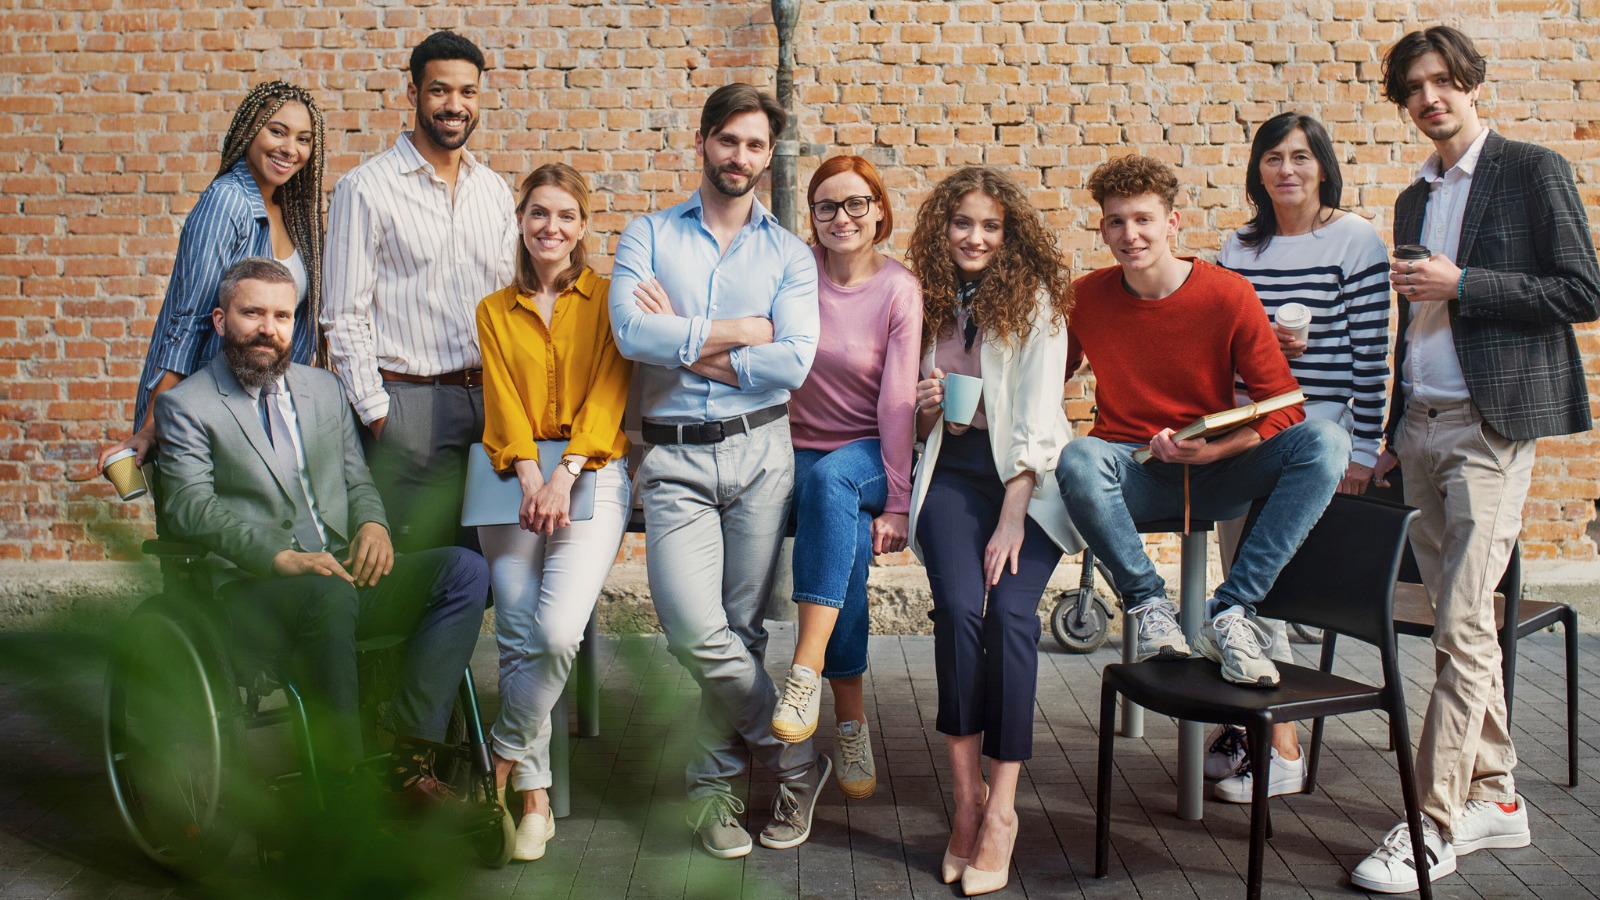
x,y
1165,336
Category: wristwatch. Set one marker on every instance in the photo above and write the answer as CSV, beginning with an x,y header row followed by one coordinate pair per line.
x,y
573,464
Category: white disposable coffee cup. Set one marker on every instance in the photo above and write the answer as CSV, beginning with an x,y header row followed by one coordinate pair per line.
x,y
1295,317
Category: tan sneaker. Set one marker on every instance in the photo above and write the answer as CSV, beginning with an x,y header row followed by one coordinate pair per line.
x,y
795,719
857,776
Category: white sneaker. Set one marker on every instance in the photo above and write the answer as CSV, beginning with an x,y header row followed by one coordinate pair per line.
x,y
1240,645
795,717
1229,746
1159,634
1390,869
1485,825
1288,777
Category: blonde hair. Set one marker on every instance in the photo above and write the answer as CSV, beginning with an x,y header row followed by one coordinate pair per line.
x,y
570,180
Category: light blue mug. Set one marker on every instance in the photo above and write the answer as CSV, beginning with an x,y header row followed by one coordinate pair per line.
x,y
961,396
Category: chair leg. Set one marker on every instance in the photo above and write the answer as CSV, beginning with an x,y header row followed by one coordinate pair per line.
x,y
1569,629
1102,803
1260,811
1329,640
1508,666
1401,735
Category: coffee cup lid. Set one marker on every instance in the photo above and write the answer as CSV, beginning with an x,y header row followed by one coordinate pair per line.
x,y
121,455
1412,251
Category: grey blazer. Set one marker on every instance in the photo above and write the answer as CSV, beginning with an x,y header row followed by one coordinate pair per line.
x,y
1531,274
222,484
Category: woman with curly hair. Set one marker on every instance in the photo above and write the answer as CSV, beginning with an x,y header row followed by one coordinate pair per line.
x,y
266,200
986,518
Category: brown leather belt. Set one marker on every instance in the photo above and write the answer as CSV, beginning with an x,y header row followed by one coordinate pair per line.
x,y
465,377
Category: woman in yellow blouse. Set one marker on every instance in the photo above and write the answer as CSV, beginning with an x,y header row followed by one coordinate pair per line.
x,y
551,372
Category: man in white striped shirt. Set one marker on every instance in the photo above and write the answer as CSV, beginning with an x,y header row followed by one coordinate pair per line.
x,y
417,236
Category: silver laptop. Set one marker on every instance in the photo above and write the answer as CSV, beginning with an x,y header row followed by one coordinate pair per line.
x,y
495,499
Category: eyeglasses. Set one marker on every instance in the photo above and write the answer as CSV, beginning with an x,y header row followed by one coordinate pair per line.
x,y
855,207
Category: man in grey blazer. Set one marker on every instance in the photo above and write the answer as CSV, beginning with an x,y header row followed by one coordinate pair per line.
x,y
1486,363
260,464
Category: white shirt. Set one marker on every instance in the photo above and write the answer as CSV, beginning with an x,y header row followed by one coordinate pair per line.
x,y
297,269
1432,372
407,262
286,406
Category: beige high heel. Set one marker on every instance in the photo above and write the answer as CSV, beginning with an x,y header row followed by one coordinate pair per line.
x,y
951,867
975,881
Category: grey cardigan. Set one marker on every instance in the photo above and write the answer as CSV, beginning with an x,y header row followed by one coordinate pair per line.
x,y
1531,274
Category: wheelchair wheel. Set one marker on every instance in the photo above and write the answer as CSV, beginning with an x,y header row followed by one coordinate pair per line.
x,y
1075,633
172,732
496,837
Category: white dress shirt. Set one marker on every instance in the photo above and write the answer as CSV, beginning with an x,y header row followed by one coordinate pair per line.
x,y
286,406
407,262
1432,373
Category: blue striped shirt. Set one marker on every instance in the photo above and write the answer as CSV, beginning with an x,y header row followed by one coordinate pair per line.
x,y
228,224
1341,273
766,272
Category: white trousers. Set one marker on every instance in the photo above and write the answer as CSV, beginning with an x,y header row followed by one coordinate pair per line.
x,y
544,591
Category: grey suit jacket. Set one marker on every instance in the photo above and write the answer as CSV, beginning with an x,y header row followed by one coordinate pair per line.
x,y
223,486
1531,274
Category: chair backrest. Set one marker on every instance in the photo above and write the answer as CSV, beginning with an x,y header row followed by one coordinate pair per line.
x,y
1342,578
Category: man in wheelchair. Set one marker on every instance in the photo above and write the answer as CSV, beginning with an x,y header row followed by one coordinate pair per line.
x,y
261,465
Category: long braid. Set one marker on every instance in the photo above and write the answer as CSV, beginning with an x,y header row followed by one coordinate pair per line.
x,y
300,196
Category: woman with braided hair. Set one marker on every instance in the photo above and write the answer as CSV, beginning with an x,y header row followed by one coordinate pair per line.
x,y
265,201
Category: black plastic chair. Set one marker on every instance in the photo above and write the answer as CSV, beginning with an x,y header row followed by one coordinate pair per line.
x,y
1341,580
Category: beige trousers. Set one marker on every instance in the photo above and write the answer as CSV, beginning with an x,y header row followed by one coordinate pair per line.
x,y
1469,483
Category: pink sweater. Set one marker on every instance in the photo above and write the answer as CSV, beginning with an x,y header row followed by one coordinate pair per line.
x,y
863,383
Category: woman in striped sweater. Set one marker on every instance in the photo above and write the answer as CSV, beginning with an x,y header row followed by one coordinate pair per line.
x,y
1302,247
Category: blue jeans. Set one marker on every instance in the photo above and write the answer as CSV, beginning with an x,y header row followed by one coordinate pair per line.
x,y
836,497
1297,470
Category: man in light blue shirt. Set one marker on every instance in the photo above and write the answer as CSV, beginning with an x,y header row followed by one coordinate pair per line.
x,y
719,304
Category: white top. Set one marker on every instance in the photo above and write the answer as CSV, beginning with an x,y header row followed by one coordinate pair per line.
x,y
286,407
1432,373
1341,273
1028,427
408,260
297,268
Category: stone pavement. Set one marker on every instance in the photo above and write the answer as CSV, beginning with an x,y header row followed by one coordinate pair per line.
x,y
59,837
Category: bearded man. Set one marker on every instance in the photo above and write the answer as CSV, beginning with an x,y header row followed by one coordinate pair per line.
x,y
417,236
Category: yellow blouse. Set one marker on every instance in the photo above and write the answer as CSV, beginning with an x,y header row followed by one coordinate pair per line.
x,y
564,380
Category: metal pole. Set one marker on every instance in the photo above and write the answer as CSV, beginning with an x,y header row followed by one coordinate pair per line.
x,y
786,155
1191,615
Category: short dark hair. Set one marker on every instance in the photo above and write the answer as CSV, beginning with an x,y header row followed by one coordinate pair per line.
x,y
443,45
1259,231
736,99
1465,64
251,268
1132,176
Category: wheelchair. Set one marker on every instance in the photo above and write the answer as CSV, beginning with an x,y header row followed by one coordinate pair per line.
x,y
182,699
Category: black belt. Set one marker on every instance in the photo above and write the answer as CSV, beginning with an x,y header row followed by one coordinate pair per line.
x,y
709,432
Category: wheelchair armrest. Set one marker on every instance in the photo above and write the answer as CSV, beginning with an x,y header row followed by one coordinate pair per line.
x,y
173,549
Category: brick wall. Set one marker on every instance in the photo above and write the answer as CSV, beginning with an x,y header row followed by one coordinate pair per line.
x,y
111,112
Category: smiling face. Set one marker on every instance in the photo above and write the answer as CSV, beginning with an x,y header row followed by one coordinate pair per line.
x,y
446,102
737,154
1436,105
1139,230
552,224
283,145
1291,173
846,233
976,231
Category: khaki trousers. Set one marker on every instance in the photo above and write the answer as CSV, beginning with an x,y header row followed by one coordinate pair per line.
x,y
1469,483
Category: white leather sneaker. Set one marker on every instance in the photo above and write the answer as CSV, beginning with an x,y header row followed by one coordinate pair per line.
x,y
1486,825
1228,746
1158,633
1234,640
1391,870
1288,777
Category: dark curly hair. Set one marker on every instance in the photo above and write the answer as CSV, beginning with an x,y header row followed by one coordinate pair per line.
x,y
1029,260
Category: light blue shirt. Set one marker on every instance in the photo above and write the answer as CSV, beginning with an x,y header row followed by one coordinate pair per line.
x,y
766,272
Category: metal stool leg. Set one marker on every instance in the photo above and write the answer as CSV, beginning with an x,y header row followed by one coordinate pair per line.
x,y
560,761
1132,713
1191,735
587,673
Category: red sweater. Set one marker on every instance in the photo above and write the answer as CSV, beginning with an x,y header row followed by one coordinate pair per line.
x,y
1164,363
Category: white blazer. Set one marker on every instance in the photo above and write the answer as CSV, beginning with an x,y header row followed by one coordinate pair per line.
x,y
1028,428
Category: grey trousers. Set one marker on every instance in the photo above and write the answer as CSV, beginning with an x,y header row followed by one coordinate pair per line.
x,y
714,520
420,464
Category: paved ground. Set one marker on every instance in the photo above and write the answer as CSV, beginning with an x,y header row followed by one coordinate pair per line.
x,y
60,839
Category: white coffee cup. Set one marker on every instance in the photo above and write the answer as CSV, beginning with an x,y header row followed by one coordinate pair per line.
x,y
1295,317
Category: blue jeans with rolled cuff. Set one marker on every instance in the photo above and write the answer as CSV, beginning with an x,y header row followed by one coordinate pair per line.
x,y
837,495
1106,492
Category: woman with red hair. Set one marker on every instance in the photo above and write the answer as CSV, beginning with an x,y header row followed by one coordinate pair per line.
x,y
852,423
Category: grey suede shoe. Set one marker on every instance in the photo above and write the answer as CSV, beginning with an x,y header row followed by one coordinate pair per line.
x,y
716,820
791,811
